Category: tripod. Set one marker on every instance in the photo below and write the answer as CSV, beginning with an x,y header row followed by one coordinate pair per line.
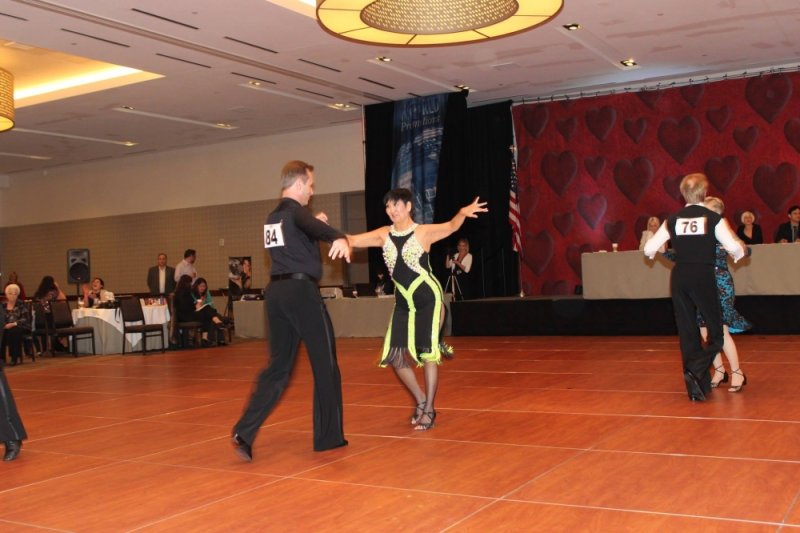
x,y
452,285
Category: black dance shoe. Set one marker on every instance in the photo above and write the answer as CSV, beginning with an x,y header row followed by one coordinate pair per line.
x,y
243,450
12,449
693,387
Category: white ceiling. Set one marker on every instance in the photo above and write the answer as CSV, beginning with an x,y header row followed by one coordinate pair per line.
x,y
206,49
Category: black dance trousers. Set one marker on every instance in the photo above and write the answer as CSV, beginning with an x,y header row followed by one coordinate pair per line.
x,y
694,288
13,339
295,312
11,427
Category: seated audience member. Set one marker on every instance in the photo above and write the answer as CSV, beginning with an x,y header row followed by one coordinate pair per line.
x,y
749,231
16,321
48,292
240,280
95,293
14,279
790,231
195,308
161,277
186,267
653,223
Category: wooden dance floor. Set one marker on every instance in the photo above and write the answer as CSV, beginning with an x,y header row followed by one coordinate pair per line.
x,y
533,434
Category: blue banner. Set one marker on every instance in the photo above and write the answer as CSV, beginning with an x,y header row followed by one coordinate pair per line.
x,y
418,130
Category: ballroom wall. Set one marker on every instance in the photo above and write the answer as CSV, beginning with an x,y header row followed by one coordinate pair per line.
x,y
210,198
592,171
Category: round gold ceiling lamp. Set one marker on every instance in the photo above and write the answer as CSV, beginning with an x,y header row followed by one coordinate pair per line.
x,y
432,22
6,100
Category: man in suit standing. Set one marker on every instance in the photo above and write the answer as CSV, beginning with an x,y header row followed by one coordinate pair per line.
x,y
694,232
161,278
790,231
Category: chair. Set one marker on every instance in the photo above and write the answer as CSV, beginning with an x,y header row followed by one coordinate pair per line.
x,y
132,312
65,327
28,344
179,331
41,333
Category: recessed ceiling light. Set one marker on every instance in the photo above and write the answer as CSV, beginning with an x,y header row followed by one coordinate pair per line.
x,y
572,27
630,62
462,87
343,107
384,59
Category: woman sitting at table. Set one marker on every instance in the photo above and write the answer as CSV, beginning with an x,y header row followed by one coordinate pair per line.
x,y
653,223
48,292
193,304
16,324
749,231
96,293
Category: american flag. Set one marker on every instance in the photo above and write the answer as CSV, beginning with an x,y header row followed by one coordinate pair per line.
x,y
513,208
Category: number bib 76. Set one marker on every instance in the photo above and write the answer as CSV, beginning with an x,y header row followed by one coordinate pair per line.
x,y
690,226
273,235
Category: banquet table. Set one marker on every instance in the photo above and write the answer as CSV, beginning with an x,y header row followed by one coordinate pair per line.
x,y
770,271
351,317
107,324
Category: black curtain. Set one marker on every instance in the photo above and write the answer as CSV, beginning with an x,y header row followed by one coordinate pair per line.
x,y
475,161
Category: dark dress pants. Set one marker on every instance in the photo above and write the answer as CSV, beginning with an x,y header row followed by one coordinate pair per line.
x,y
694,288
11,427
12,338
296,312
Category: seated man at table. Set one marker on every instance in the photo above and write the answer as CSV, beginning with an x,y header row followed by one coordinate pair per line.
x,y
161,277
790,231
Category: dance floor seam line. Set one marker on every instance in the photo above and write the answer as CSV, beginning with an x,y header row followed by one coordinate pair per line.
x,y
655,513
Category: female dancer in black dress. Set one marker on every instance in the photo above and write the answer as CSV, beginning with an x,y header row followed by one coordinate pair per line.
x,y
413,334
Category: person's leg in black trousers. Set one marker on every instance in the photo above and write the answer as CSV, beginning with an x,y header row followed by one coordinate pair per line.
x,y
316,331
691,291
271,382
12,338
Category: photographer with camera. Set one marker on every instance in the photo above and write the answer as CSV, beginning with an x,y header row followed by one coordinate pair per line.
x,y
459,264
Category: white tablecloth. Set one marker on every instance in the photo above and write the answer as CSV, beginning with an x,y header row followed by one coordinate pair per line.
x,y
771,270
107,324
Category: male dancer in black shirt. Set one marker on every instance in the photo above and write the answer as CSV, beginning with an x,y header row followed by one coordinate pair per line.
x,y
296,312
694,232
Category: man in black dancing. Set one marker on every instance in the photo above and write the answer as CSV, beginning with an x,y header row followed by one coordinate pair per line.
x,y
694,232
295,312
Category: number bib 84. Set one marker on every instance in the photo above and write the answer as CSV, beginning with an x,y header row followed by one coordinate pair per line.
x,y
273,235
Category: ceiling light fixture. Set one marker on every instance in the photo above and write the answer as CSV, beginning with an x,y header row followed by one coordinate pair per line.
x,y
630,62
431,22
572,27
291,95
77,137
343,107
26,156
6,100
384,59
134,111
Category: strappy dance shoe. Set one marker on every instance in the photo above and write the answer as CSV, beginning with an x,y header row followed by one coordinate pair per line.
x,y
425,426
715,384
419,410
738,388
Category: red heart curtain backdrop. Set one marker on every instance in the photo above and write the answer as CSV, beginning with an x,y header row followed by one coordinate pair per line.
x,y
592,171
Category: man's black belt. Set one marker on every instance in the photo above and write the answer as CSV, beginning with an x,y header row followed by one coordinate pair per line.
x,y
295,275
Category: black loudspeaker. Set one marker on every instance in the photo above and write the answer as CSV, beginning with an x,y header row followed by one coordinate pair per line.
x,y
78,265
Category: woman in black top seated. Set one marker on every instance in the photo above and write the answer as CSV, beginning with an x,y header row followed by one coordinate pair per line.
x,y
189,308
16,323
749,231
